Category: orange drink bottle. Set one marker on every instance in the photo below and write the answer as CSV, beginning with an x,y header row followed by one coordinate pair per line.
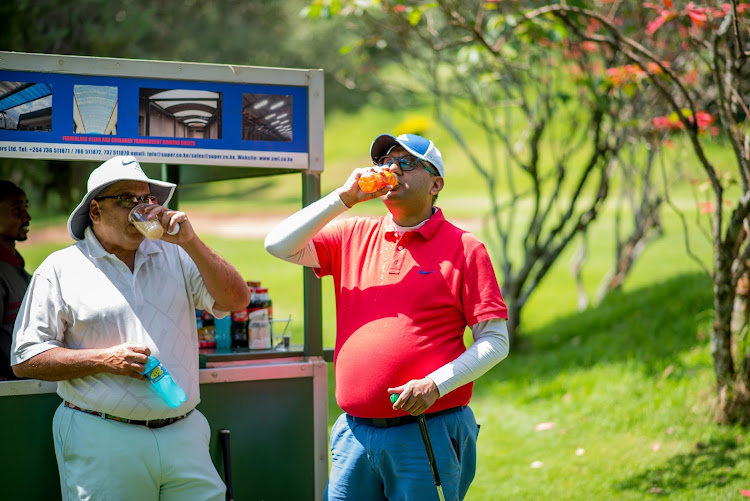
x,y
374,181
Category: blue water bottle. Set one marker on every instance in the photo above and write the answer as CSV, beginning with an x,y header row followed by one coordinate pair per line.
x,y
223,328
163,383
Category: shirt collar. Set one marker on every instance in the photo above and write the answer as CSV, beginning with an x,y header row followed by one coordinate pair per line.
x,y
96,249
11,257
428,227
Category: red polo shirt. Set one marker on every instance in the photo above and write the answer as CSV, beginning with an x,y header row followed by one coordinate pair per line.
x,y
402,305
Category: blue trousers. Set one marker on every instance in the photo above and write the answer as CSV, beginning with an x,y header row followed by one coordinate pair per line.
x,y
379,464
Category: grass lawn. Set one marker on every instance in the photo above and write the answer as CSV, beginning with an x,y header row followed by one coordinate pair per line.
x,y
622,390
627,385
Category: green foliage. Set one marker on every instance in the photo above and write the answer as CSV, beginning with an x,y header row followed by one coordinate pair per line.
x,y
233,31
230,32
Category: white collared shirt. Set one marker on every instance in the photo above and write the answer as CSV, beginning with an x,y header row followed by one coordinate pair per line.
x,y
84,297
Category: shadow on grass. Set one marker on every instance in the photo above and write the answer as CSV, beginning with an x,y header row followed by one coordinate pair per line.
x,y
711,464
647,327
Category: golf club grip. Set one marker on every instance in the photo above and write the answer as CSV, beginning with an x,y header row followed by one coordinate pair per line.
x,y
428,447
224,440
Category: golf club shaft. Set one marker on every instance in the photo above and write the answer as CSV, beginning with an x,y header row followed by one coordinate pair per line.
x,y
430,455
224,439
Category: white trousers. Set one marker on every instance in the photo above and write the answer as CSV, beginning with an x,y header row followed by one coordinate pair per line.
x,y
102,459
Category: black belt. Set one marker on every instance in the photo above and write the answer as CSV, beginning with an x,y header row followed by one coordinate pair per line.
x,y
401,420
149,423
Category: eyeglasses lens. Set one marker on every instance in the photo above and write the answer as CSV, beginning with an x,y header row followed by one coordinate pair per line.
x,y
128,202
405,163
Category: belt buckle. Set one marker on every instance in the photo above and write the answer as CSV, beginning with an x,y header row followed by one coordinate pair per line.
x,y
380,422
157,423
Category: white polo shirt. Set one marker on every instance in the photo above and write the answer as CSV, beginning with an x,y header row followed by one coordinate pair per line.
x,y
84,297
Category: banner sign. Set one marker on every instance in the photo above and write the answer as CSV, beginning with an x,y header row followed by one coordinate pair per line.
x,y
93,117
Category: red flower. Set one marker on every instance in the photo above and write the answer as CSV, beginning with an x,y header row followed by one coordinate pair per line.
x,y
657,23
670,123
673,123
589,47
655,68
705,207
704,119
665,14
698,15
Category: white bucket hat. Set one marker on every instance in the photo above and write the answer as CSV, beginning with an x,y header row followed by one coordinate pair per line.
x,y
113,170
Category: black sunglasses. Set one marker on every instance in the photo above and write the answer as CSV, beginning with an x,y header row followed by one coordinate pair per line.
x,y
406,163
130,201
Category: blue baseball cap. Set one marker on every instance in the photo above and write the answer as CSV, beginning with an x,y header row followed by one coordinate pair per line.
x,y
418,146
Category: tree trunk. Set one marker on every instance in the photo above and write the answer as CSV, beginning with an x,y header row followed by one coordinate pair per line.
x,y
741,313
513,302
721,337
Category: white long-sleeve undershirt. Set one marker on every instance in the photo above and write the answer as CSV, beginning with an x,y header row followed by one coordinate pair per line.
x,y
291,241
490,347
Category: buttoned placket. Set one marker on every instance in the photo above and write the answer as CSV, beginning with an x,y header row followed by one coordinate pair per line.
x,y
141,261
121,274
399,254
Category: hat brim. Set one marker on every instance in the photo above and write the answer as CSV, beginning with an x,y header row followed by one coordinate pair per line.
x,y
79,219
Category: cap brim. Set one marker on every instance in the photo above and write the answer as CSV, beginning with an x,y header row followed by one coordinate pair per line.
x,y
381,145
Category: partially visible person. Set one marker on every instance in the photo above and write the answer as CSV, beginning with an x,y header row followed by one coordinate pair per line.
x,y
94,313
14,227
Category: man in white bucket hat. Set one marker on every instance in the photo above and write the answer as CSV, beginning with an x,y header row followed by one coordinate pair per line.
x,y
407,284
93,314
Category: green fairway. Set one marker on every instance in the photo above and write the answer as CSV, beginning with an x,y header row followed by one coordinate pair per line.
x,y
627,385
622,390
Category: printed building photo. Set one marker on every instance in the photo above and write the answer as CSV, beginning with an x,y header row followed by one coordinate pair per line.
x,y
266,117
94,109
179,113
25,106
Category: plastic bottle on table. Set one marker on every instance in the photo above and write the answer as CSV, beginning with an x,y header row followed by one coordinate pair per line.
x,y
374,181
259,316
163,383
263,300
223,328
239,329
208,319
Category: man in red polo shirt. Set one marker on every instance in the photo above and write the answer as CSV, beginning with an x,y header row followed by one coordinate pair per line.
x,y
14,227
407,285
